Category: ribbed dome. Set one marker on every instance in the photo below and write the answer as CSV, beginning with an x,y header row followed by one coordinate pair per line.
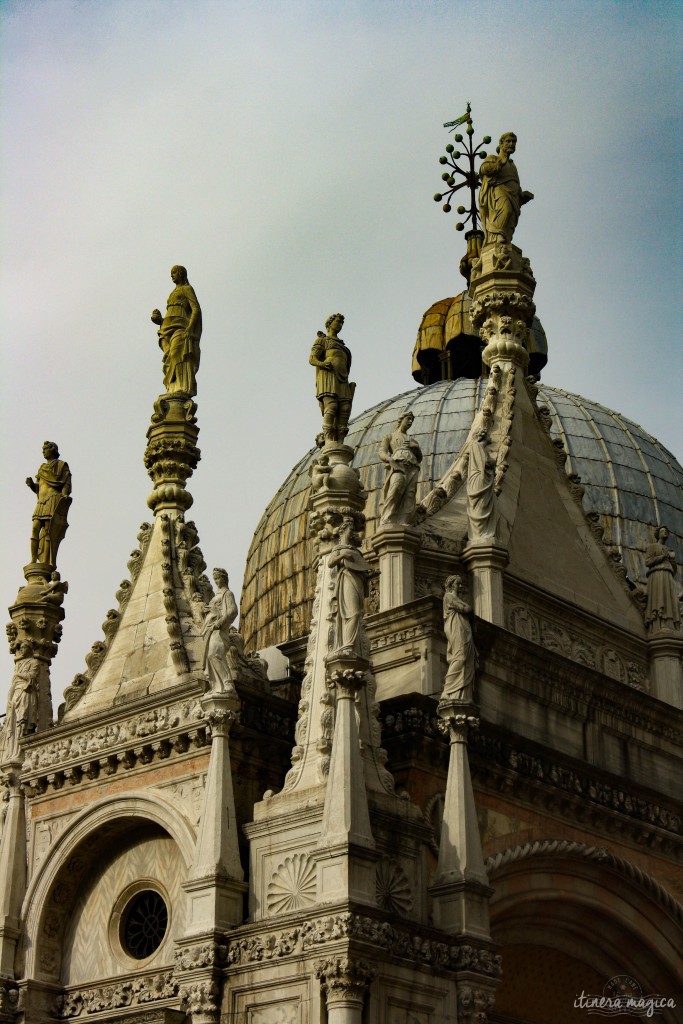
x,y
630,479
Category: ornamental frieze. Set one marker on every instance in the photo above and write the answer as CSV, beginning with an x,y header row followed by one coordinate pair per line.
x,y
395,942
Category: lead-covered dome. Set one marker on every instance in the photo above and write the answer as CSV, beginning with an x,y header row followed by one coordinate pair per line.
x,y
631,481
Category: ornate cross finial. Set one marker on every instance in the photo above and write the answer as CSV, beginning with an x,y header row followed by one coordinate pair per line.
x,y
466,176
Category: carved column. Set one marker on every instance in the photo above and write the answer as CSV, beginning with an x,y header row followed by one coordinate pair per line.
x,y
345,982
396,547
172,455
502,287
346,851
12,868
460,890
33,636
215,885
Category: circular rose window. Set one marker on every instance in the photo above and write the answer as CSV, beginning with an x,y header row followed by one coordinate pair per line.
x,y
144,922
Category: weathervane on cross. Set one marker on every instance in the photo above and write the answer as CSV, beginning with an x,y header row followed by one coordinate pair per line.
x,y
468,177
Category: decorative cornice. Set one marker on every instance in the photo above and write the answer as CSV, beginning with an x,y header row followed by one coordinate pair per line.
x,y
501,760
428,947
77,1002
595,854
152,733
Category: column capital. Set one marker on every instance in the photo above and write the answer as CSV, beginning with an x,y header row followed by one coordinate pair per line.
x,y
345,978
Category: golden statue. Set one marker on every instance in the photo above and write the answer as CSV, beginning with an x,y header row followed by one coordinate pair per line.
x,y
179,334
334,391
53,487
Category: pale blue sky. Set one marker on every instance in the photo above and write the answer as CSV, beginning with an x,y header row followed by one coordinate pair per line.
x,y
287,154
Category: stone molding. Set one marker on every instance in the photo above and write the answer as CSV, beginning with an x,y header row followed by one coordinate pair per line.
x,y
119,993
581,795
84,754
518,770
157,732
595,854
429,947
527,622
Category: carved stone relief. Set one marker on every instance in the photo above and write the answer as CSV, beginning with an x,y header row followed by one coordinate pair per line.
x,y
522,621
394,893
292,885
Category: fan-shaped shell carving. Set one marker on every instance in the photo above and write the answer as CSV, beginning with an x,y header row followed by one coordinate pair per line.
x,y
393,889
292,886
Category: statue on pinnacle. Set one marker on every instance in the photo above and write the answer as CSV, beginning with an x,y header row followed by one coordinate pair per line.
x,y
501,196
179,333
334,391
52,485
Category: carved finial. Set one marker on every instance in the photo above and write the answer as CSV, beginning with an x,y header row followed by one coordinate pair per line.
x,y
52,485
179,333
464,175
501,195
334,391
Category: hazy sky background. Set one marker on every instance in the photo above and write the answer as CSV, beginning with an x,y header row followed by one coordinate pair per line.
x,y
287,155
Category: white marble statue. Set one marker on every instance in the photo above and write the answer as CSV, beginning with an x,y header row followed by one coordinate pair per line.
x,y
461,653
663,609
350,591
22,702
216,632
402,456
481,505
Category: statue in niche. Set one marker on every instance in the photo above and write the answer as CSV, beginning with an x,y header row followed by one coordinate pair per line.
x,y
350,590
402,456
53,487
501,196
662,610
179,334
221,614
481,507
22,702
461,653
334,391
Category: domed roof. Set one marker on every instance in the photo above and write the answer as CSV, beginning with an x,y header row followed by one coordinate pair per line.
x,y
446,332
630,479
